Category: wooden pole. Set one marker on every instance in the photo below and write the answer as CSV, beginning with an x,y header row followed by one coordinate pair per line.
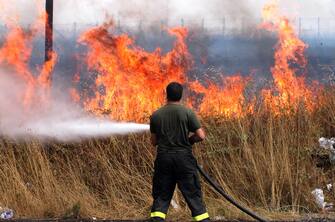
x,y
48,29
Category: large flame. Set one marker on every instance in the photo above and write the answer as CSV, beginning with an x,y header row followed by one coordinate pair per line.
x,y
132,80
289,58
15,52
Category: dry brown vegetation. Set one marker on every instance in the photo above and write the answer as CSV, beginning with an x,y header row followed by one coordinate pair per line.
x,y
263,161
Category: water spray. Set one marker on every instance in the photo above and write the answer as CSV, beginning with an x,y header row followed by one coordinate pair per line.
x,y
76,129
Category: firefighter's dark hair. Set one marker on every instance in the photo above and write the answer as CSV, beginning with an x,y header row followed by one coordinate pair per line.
x,y
174,92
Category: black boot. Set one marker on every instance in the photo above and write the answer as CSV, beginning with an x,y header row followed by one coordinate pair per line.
x,y
156,219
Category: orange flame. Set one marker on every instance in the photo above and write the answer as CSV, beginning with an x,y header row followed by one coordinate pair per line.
x,y
292,90
130,82
16,52
44,79
225,101
133,80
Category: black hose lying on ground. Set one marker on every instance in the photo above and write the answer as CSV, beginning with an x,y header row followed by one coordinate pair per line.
x,y
226,196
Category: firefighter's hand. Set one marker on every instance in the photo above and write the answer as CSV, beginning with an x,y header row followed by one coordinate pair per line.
x,y
198,136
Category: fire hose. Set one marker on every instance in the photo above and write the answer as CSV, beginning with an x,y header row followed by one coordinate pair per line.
x,y
227,197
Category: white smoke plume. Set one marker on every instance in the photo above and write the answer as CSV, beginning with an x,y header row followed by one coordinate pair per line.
x,y
93,11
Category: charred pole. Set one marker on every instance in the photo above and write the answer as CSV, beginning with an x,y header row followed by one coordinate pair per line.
x,y
48,29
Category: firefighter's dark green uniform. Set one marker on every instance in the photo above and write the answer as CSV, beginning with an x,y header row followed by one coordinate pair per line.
x,y
175,163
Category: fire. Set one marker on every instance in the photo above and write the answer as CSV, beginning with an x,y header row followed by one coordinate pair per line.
x,y
227,100
132,80
15,53
44,79
74,94
289,60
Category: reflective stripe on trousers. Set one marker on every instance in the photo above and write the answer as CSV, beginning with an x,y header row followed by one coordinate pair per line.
x,y
201,217
158,214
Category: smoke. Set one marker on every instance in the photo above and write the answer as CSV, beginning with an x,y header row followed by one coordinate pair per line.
x,y
149,11
91,11
133,12
59,119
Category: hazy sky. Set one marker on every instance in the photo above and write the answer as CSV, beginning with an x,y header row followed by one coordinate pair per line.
x,y
93,11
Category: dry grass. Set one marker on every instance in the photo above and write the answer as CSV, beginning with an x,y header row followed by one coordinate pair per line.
x,y
263,161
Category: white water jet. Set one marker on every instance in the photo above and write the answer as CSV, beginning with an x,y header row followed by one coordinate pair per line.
x,y
73,129
60,120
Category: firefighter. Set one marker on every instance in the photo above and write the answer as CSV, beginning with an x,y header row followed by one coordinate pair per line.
x,y
174,129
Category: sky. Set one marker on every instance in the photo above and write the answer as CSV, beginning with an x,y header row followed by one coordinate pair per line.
x,y
95,11
82,11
